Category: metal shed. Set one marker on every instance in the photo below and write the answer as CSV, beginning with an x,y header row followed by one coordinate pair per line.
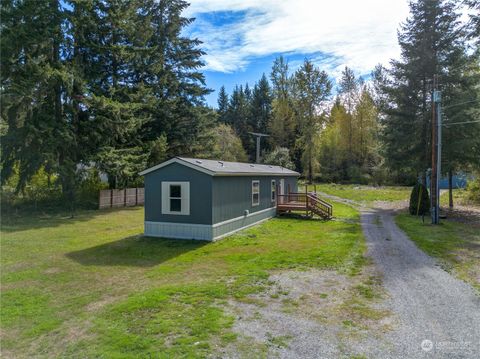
x,y
194,198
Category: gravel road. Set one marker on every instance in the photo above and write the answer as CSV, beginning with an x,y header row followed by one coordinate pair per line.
x,y
431,305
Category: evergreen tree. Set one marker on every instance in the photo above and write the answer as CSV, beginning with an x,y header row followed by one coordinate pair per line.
x,y
261,105
432,43
312,89
474,25
107,81
239,116
222,105
282,126
348,91
34,80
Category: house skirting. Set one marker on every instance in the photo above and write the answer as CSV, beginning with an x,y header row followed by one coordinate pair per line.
x,y
206,231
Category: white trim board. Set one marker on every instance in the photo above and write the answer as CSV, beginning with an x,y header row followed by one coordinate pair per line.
x,y
176,160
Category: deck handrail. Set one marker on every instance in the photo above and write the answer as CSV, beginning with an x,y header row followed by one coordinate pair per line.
x,y
311,201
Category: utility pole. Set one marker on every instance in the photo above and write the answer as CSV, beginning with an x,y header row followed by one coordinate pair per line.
x,y
436,153
259,136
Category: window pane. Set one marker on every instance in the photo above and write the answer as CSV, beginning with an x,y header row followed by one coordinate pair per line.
x,y
175,205
255,198
175,191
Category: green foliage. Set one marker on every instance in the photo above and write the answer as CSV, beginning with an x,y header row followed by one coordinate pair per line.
x,y
280,156
225,145
473,190
433,43
158,151
67,101
312,88
419,201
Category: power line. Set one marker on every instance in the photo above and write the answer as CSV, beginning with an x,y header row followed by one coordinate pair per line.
x,y
459,123
461,103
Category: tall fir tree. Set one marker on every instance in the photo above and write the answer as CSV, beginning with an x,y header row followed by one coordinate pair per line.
x,y
222,103
312,88
113,82
432,43
282,126
261,105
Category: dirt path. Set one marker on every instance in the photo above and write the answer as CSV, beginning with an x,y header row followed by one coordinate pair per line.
x,y
431,306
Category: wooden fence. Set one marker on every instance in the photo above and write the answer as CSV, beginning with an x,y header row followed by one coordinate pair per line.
x,y
109,198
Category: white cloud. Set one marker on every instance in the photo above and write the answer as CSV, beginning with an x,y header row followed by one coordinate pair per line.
x,y
357,33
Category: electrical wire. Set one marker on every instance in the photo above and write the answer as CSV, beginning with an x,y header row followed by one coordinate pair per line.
x,y
459,123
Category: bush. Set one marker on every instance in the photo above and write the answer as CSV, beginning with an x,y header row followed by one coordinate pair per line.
x,y
419,200
473,190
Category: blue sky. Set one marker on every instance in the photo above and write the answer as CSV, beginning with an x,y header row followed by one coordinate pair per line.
x,y
243,37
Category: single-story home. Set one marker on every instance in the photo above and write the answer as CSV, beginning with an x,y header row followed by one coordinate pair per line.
x,y
193,198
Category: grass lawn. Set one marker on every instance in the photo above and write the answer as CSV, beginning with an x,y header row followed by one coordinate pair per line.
x,y
455,245
92,286
363,194
459,198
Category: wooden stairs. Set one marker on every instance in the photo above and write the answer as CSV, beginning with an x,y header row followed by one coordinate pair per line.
x,y
309,202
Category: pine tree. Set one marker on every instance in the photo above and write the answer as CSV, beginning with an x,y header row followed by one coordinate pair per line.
x,y
282,126
261,105
222,105
312,89
432,43
474,25
105,81
348,90
33,81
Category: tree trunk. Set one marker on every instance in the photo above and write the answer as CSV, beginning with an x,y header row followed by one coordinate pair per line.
x,y
450,189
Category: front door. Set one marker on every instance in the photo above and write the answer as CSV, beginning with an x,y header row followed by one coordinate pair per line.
x,y
281,190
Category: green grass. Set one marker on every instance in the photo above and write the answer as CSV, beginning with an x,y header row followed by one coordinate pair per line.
x,y
363,194
92,286
460,197
455,245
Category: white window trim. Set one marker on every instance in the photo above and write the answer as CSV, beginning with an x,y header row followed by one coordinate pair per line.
x,y
185,198
258,203
273,190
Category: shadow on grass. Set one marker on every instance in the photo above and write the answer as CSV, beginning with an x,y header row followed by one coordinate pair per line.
x,y
135,251
13,222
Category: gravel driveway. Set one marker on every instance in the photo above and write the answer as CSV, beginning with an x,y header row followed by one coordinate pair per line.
x,y
431,306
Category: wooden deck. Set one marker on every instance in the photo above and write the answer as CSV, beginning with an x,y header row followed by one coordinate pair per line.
x,y
309,202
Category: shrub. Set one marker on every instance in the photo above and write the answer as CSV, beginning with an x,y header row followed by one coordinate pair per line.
x,y
473,190
419,200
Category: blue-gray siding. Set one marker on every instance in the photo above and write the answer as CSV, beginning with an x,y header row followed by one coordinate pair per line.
x,y
200,194
233,195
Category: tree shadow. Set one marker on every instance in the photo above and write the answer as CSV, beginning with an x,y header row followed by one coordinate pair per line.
x,y
135,251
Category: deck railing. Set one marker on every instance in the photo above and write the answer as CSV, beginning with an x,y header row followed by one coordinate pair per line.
x,y
308,201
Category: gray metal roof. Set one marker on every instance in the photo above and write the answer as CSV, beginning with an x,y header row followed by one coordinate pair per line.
x,y
225,168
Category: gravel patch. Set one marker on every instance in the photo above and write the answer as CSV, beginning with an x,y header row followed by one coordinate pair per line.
x,y
432,306
302,316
